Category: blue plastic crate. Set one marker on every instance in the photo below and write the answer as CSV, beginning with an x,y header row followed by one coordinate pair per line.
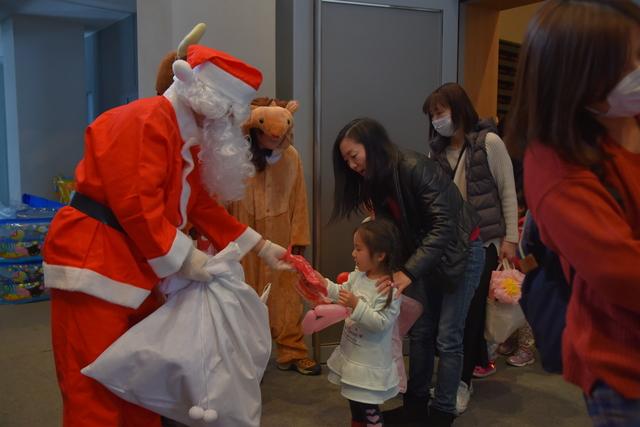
x,y
22,282
22,238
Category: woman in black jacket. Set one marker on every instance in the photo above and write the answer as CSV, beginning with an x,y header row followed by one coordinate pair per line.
x,y
437,227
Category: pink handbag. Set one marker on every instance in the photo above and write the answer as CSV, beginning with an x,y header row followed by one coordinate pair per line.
x,y
506,283
504,314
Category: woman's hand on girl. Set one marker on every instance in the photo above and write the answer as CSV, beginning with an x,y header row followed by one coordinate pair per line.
x,y
347,299
384,284
401,282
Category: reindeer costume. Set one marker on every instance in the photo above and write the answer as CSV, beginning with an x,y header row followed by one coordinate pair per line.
x,y
275,205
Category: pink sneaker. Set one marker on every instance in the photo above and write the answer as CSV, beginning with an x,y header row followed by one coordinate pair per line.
x,y
482,372
522,357
508,347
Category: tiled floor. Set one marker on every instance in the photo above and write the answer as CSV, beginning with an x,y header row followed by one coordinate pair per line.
x,y
29,395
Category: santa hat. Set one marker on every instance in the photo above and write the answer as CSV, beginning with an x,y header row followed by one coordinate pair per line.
x,y
227,74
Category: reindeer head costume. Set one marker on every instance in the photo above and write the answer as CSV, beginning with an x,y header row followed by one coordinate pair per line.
x,y
216,89
164,77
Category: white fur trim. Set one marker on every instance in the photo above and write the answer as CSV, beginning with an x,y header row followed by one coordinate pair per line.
x,y
191,134
186,120
247,240
87,281
182,71
168,264
186,188
226,83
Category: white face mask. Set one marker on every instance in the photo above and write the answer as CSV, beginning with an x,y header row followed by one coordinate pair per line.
x,y
444,126
624,99
274,157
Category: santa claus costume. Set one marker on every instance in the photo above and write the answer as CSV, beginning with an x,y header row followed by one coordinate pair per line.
x,y
140,181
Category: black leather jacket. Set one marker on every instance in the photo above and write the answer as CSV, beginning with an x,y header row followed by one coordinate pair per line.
x,y
436,221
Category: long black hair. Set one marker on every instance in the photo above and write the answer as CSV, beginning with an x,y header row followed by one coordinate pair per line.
x,y
352,191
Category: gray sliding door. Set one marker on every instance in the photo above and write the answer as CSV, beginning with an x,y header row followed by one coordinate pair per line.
x,y
375,59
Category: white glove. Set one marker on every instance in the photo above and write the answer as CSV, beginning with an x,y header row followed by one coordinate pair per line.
x,y
193,266
272,255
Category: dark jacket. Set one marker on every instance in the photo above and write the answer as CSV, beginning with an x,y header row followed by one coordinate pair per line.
x,y
436,221
482,191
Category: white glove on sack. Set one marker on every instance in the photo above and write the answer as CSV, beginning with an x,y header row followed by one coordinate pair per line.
x,y
193,266
272,255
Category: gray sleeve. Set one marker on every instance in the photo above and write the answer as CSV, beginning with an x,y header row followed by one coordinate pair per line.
x,y
502,171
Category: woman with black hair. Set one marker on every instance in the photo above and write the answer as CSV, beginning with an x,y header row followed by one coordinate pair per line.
x,y
437,231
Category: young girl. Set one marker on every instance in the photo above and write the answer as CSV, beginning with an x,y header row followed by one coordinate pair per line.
x,y
363,363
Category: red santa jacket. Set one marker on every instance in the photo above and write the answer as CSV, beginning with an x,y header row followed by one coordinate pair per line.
x,y
138,161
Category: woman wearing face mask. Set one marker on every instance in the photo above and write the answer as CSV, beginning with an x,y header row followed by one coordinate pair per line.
x,y
475,157
575,118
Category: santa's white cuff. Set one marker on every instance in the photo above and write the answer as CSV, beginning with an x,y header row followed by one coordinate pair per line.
x,y
247,240
170,263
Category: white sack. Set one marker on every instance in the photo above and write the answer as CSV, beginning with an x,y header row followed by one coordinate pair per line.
x,y
207,346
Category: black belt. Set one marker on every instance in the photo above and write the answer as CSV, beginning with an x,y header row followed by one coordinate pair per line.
x,y
95,210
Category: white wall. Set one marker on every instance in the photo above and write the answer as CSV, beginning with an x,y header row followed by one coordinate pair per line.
x,y
243,28
4,166
45,101
11,152
117,64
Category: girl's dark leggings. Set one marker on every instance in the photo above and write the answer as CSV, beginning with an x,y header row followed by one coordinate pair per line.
x,y
366,414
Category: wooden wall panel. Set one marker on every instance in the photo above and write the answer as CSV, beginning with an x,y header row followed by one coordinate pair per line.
x,y
480,61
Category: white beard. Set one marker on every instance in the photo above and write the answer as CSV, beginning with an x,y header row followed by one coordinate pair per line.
x,y
225,154
226,160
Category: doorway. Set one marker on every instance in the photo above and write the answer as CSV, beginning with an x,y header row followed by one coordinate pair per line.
x,y
380,60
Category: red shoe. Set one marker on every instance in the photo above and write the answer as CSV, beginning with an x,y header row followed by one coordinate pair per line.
x,y
483,372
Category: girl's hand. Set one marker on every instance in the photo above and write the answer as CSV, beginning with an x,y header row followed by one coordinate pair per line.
x,y
400,281
508,250
347,299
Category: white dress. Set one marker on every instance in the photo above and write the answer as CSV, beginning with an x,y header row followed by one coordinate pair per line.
x,y
363,363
